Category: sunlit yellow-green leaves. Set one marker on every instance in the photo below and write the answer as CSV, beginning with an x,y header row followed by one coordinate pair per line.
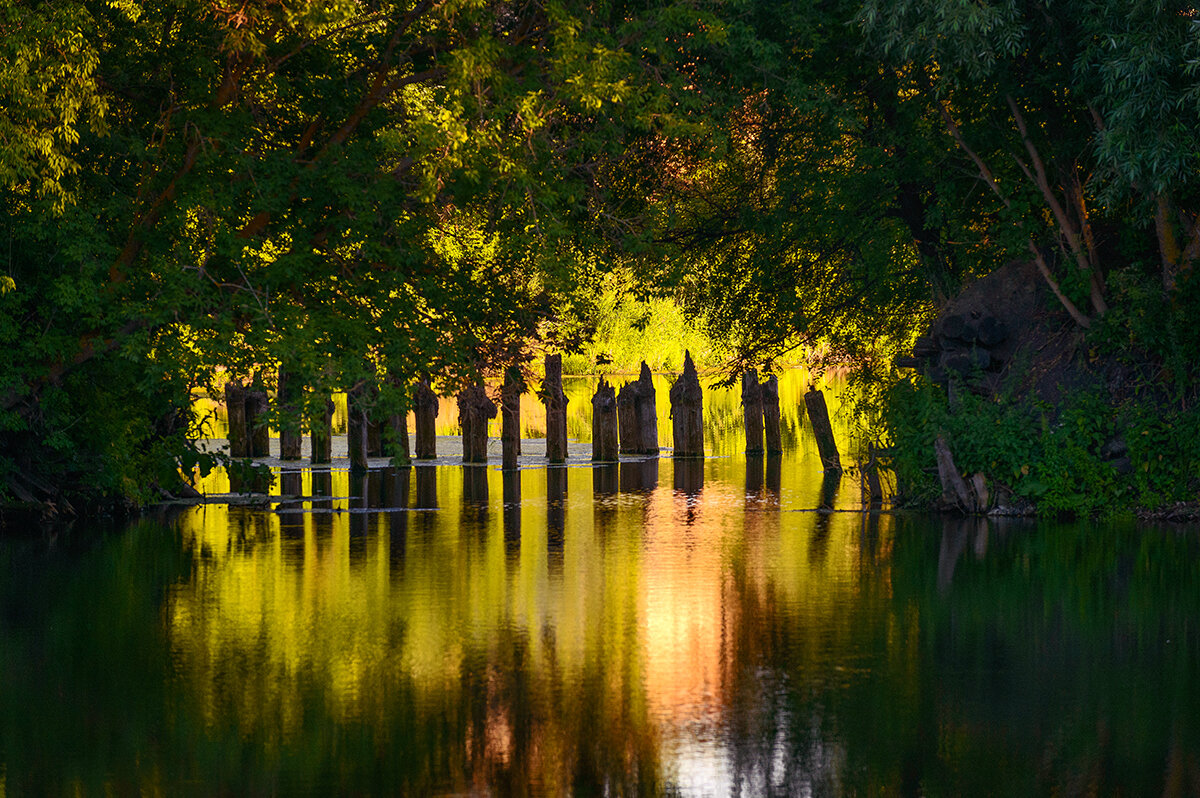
x,y
48,92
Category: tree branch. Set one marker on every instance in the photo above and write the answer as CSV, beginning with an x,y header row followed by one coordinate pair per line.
x,y
1071,308
1056,208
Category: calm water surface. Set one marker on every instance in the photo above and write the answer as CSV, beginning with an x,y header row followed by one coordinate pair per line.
x,y
652,628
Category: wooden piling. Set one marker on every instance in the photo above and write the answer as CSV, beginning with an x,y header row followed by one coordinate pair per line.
x,y
320,427
425,408
396,437
373,421
374,437
818,414
637,415
770,404
687,412
474,410
398,424
257,406
647,411
287,398
510,417
556,410
752,412
872,487
604,424
356,430
235,411
628,429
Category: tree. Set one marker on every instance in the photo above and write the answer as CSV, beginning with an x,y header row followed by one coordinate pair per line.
x,y
344,188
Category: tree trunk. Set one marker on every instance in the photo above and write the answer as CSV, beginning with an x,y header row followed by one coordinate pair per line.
x,y
818,414
604,424
425,408
687,412
556,410
955,492
752,412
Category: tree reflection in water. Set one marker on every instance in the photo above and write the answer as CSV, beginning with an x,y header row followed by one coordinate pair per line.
x,y
692,627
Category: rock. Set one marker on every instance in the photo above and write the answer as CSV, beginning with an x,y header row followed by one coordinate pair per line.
x,y
991,331
953,325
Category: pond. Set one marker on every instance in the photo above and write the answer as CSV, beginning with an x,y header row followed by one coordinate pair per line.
x,y
725,627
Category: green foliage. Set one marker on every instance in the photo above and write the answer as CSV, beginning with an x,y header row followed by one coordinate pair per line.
x,y
628,329
1064,459
353,191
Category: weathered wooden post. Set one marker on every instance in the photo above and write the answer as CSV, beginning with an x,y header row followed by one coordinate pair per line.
x,y
752,412
374,436
687,412
372,420
556,410
398,428
637,415
770,405
356,430
628,429
647,411
510,417
257,405
604,424
235,411
425,408
872,488
818,414
287,396
320,427
398,422
474,410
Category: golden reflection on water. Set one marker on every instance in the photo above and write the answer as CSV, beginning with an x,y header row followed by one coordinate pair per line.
x,y
626,614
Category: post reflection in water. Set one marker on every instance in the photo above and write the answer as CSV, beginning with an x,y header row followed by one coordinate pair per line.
x,y
639,476
396,499
512,513
605,480
822,524
711,635
426,478
754,474
556,515
774,475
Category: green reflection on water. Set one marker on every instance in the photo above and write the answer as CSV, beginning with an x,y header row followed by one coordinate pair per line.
x,y
637,630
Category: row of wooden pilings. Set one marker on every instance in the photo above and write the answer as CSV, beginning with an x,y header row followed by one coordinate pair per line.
x,y
624,422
